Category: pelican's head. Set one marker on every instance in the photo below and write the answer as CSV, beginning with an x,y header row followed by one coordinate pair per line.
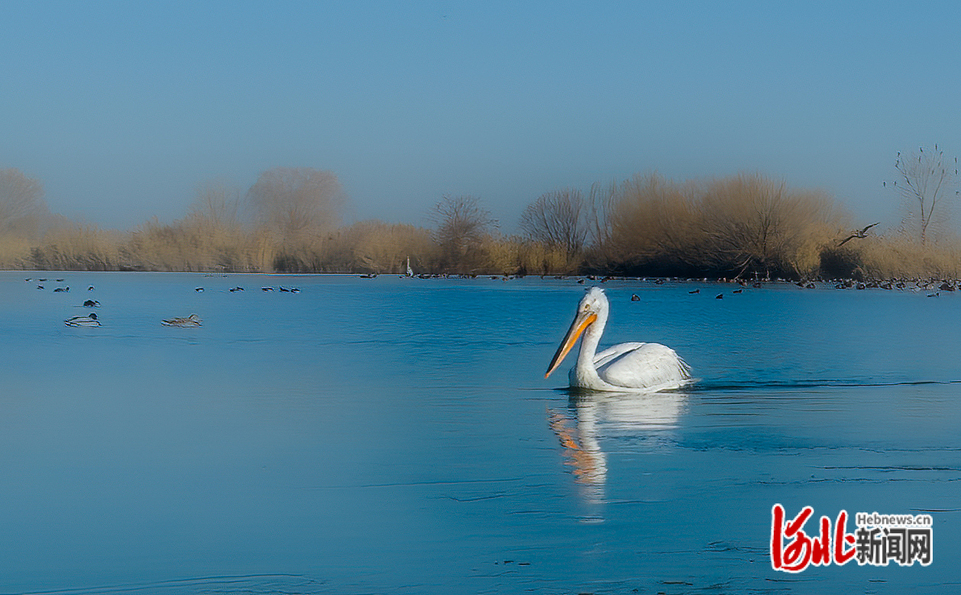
x,y
591,307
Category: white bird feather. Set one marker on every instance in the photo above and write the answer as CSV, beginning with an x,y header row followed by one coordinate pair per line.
x,y
646,367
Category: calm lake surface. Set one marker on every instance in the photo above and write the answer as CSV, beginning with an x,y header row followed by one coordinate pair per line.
x,y
397,436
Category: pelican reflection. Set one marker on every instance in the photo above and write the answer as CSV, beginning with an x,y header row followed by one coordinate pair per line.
x,y
594,418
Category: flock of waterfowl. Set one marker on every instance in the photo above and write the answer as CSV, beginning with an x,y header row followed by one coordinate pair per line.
x,y
635,366
91,319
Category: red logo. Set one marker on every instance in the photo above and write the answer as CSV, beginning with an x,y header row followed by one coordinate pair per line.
x,y
793,550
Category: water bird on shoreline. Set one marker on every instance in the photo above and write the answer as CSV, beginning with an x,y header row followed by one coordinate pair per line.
x,y
189,321
646,367
83,320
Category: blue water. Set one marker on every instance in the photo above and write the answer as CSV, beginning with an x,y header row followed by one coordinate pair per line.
x,y
397,436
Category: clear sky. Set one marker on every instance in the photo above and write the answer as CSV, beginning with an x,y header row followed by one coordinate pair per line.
x,y
123,108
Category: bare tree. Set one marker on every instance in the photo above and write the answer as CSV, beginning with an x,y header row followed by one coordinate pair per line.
x,y
462,226
925,184
559,220
21,201
753,223
216,205
296,202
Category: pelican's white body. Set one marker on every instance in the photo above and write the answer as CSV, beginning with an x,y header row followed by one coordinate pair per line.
x,y
646,367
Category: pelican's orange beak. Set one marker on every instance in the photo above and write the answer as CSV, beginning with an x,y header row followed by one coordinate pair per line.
x,y
582,320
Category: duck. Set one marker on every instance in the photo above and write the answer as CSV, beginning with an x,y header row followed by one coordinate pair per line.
x,y
91,304
189,321
83,320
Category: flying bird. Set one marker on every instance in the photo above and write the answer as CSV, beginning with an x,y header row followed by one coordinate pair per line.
x,y
861,234
641,367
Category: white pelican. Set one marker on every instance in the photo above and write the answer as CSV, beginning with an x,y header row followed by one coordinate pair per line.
x,y
83,320
192,320
646,367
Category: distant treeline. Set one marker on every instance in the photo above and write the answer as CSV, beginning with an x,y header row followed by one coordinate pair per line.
x,y
289,221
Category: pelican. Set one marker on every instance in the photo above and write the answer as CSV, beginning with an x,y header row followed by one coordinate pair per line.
x,y
192,320
858,233
639,367
83,320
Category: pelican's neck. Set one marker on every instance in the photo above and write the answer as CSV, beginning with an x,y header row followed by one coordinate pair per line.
x,y
585,371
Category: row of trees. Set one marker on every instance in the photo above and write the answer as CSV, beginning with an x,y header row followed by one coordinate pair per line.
x,y
289,220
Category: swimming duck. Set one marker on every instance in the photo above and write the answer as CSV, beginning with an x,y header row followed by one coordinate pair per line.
x,y
192,320
91,304
83,320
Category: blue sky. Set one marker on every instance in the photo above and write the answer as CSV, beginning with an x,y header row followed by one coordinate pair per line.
x,y
123,109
